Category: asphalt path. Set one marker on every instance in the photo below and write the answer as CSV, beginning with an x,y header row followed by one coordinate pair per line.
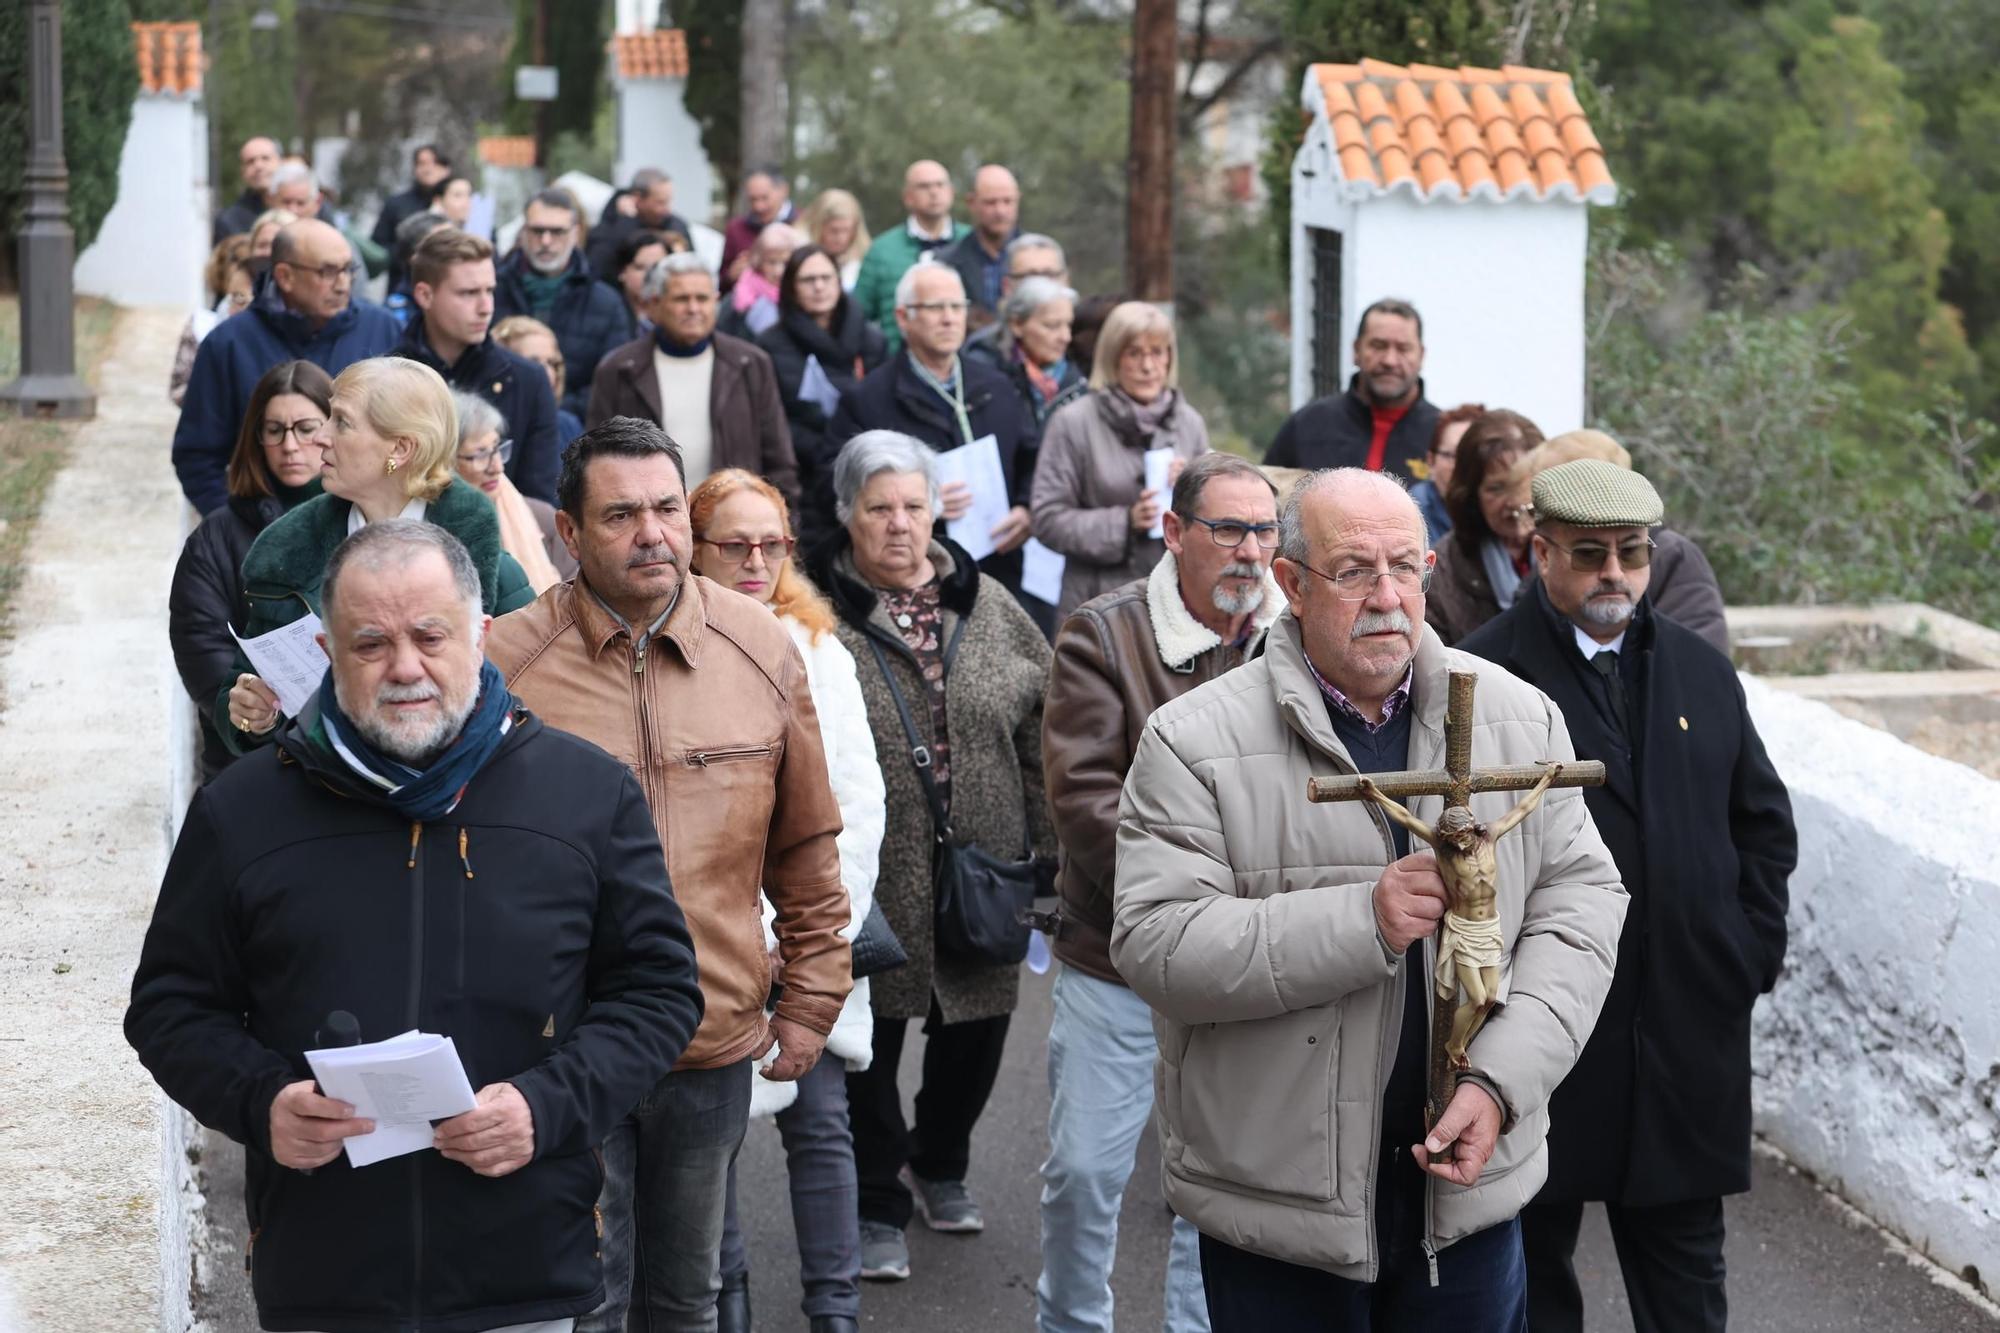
x,y
1798,1261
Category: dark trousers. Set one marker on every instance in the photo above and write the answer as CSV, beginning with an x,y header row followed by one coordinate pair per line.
x,y
961,1060
1671,1257
1481,1288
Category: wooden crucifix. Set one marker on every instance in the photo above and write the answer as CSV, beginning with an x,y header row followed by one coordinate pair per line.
x,y
1470,945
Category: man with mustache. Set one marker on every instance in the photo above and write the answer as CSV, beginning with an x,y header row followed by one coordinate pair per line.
x,y
1655,1120
1383,422
700,691
1201,612
416,850
1281,946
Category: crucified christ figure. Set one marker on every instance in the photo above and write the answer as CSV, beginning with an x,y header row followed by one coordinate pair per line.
x,y
1470,943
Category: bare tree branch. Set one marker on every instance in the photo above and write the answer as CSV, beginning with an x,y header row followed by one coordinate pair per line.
x,y
1194,108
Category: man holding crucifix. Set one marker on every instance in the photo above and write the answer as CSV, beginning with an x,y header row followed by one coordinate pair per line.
x,y
1281,945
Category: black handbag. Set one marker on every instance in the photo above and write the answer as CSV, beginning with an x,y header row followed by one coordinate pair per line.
x,y
980,902
876,948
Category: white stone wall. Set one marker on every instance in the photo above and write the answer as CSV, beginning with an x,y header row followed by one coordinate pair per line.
x,y
155,239
1878,1055
655,130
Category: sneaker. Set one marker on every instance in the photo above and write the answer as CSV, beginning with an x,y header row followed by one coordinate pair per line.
x,y
885,1257
945,1204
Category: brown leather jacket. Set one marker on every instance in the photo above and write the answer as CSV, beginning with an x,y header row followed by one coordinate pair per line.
x,y
1119,657
714,717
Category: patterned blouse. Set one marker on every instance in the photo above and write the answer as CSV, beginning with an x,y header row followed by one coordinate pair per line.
x,y
918,616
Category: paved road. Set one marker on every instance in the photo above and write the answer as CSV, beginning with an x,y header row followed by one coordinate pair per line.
x,y
1797,1263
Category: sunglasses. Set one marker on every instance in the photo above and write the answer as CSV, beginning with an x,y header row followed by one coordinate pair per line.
x,y
1590,556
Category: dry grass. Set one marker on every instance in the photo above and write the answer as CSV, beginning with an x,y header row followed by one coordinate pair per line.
x,y
32,452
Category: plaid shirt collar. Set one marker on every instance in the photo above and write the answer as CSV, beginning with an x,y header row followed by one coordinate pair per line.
x,y
1398,699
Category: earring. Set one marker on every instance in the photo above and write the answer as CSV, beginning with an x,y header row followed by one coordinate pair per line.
x,y
392,465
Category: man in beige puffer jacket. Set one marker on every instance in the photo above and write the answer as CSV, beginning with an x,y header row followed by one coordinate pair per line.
x,y
1274,941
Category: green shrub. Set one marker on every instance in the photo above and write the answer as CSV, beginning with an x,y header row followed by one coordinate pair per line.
x,y
100,79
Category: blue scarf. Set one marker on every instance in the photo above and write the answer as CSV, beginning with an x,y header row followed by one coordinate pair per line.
x,y
431,793
676,349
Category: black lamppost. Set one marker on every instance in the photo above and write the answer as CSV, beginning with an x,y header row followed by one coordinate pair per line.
x,y
48,385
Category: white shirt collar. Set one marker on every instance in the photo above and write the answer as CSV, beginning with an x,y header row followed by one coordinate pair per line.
x,y
1590,647
917,230
355,521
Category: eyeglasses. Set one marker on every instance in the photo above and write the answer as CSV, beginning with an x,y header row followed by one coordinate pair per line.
x,y
305,428
1358,584
327,273
1025,274
548,233
1590,556
816,279
937,307
1229,533
483,458
1445,455
735,552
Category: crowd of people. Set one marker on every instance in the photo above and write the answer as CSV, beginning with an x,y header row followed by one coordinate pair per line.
x,y
674,755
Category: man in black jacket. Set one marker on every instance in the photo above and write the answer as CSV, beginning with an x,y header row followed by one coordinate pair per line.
x,y
1383,422
929,391
1655,1118
647,205
257,159
453,288
546,277
428,166
418,851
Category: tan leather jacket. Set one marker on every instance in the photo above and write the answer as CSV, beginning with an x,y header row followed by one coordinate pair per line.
x,y
1118,657
714,717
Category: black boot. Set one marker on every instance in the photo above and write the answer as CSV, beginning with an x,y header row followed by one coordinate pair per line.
x,y
732,1307
834,1323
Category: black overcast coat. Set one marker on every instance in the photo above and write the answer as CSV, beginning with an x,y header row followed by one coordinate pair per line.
x,y
533,925
1336,431
1657,1109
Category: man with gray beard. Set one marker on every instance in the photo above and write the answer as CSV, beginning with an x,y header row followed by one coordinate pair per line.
x,y
1199,613
417,851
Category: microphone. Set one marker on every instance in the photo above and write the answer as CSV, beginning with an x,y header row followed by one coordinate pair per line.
x,y
340,1029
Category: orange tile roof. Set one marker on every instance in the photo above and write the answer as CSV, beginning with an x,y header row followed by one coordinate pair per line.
x,y
1459,133
507,150
169,57
661,54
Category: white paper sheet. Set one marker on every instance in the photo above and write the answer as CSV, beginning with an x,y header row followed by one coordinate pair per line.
x,y
402,1084
1159,462
761,315
815,387
1041,572
289,660
978,466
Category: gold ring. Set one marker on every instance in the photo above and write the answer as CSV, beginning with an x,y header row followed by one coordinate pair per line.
x,y
242,724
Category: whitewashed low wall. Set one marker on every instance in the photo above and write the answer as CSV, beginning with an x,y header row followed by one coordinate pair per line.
x,y
1878,1055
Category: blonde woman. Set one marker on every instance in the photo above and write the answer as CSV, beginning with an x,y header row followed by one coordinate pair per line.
x,y
389,455
1091,504
743,541
524,335
834,223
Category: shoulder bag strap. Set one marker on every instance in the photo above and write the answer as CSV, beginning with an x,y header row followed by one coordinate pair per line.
x,y
920,754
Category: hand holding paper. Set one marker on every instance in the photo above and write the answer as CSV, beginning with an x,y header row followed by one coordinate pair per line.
x,y
289,660
977,467
401,1084
1159,465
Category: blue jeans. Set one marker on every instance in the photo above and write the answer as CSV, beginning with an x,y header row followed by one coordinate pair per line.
x,y
666,1173
819,1166
1101,1055
1482,1279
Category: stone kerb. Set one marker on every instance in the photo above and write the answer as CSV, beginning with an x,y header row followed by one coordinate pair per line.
x,y
94,1177
1877,1057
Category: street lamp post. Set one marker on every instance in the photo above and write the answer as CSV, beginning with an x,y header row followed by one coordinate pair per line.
x,y
48,385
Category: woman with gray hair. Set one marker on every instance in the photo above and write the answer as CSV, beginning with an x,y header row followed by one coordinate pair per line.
x,y
527,525
1033,344
1091,501
952,671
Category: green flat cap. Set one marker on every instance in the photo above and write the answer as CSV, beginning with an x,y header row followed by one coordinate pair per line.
x,y
1591,493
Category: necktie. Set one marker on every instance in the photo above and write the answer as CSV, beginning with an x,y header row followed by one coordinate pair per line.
x,y
1605,664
